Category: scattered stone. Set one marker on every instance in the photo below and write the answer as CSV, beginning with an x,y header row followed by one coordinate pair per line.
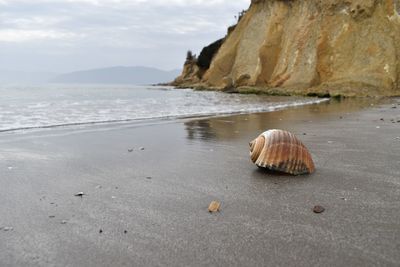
x,y
116,187
394,107
304,134
125,232
343,198
52,203
10,167
378,127
341,117
318,209
52,216
398,138
142,148
330,142
130,150
63,222
113,197
382,119
80,194
6,229
149,178
100,231
98,187
214,206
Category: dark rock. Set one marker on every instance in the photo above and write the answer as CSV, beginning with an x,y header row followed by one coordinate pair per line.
x,y
318,209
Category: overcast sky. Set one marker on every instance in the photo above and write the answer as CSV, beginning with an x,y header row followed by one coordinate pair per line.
x,y
68,35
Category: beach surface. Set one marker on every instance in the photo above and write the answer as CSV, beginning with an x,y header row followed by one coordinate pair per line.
x,y
147,186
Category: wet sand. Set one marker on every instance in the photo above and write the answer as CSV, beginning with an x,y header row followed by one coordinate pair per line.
x,y
148,207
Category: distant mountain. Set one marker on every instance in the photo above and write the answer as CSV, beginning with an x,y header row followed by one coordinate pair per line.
x,y
13,76
119,75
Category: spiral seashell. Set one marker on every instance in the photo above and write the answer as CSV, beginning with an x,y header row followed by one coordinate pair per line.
x,y
280,150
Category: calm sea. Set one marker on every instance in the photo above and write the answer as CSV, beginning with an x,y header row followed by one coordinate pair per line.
x,y
31,107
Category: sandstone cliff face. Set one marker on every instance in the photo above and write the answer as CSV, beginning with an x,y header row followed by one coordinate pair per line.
x,y
336,47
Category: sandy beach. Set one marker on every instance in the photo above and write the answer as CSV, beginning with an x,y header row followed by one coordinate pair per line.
x,y
147,186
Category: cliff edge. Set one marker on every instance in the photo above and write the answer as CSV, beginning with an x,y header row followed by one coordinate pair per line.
x,y
308,47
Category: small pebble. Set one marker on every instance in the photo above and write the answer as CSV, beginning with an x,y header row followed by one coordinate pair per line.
x,y
341,117
7,229
63,222
10,167
130,150
378,127
382,119
318,209
142,148
113,197
52,216
125,232
80,194
343,198
214,206
148,178
100,231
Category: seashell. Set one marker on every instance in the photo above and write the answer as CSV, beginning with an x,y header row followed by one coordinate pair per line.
x,y
280,150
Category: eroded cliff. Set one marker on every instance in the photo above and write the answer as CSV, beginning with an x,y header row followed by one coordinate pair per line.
x,y
335,47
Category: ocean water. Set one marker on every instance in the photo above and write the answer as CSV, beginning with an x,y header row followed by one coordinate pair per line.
x,y
32,107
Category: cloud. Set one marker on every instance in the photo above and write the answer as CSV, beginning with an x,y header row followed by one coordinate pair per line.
x,y
19,36
110,32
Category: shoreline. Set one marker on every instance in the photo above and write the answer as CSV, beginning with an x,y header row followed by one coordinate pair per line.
x,y
328,91
316,101
151,204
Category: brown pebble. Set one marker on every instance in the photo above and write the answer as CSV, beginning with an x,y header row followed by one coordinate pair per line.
x,y
214,206
318,209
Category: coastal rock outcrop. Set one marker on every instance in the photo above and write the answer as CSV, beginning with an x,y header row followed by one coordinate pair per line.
x,y
308,47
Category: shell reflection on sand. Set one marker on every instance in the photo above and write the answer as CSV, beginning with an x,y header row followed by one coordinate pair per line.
x,y
280,150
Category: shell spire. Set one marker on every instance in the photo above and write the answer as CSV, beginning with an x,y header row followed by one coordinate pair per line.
x,y
280,150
